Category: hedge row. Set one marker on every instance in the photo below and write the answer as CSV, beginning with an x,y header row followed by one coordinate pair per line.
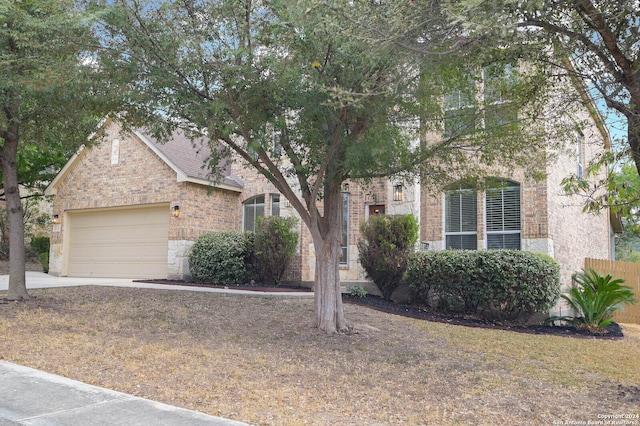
x,y
491,284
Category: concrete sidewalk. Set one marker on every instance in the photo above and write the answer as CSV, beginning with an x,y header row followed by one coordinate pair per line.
x,y
32,397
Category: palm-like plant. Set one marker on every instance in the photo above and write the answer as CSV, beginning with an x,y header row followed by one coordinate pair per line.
x,y
595,298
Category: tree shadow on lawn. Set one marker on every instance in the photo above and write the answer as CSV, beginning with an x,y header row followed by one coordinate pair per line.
x,y
612,332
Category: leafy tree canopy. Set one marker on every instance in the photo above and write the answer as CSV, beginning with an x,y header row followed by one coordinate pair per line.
x,y
596,42
51,98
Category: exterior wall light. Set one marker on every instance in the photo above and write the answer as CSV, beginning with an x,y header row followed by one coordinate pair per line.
x,y
176,211
56,219
398,193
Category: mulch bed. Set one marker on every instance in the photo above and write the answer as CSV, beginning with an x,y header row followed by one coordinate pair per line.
x,y
257,287
612,332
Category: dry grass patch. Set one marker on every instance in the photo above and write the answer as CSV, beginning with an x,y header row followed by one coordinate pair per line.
x,y
258,360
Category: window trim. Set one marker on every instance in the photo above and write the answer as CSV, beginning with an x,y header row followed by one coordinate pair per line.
x,y
459,190
502,185
251,202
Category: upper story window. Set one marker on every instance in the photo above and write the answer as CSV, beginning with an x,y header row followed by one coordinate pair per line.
x,y
461,218
498,82
115,151
502,212
579,137
462,113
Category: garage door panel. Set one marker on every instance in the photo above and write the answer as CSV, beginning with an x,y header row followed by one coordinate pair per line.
x,y
126,243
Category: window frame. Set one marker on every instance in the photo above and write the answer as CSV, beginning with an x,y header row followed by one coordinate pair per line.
x,y
483,104
510,195
274,205
467,223
252,202
580,154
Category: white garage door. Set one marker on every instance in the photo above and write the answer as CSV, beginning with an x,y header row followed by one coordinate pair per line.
x,y
119,243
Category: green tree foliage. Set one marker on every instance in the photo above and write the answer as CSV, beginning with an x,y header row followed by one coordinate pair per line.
x,y
384,248
275,243
40,246
342,107
618,190
593,42
50,103
595,298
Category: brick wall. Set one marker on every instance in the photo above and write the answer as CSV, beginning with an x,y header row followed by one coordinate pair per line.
x,y
140,177
361,196
576,235
551,221
534,211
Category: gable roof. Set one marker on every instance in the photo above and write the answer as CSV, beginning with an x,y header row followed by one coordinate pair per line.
x,y
188,159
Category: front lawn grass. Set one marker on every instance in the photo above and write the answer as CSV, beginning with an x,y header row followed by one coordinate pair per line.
x,y
258,360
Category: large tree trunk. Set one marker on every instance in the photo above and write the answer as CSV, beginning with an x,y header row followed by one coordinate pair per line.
x,y
328,297
329,312
9,164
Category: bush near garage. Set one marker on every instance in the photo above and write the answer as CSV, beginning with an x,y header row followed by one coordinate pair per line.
x,y
222,258
505,285
40,246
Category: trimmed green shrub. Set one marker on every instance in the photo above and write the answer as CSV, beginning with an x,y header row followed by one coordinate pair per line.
x,y
385,246
357,291
40,244
595,298
275,243
506,285
40,247
222,258
44,261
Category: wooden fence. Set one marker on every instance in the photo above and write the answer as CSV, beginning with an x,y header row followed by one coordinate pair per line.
x,y
630,272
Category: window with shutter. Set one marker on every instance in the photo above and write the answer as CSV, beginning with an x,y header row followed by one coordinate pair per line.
x,y
461,216
502,212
